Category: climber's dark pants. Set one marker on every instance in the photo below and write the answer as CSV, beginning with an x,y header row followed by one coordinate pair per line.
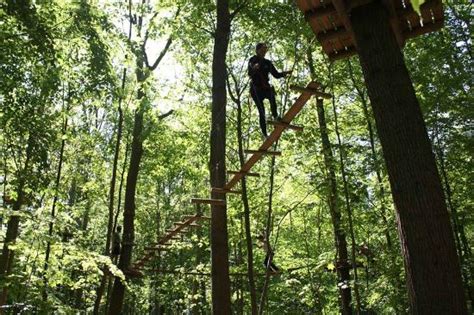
x,y
258,95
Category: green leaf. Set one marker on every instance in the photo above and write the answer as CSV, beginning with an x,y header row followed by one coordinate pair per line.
x,y
416,5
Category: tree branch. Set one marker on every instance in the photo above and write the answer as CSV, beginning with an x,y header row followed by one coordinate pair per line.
x,y
165,49
239,8
163,116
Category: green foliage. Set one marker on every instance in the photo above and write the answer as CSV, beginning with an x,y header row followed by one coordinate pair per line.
x,y
64,61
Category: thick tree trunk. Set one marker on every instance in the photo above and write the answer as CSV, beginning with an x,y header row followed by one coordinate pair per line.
x,y
432,266
342,263
219,237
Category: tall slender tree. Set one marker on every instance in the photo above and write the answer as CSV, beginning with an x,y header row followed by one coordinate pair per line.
x,y
219,235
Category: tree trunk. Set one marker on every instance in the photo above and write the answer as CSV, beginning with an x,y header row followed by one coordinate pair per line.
x,y
219,237
432,266
118,291
248,233
53,211
342,264
375,160
6,260
348,204
268,228
464,257
110,223
236,98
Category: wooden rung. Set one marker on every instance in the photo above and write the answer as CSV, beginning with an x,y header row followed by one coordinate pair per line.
x,y
311,91
218,202
286,125
225,191
265,152
244,173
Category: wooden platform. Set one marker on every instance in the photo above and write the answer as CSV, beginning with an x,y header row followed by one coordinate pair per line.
x,y
330,22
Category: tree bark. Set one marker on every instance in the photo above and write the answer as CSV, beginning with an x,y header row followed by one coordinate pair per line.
x,y
432,266
118,291
113,180
245,201
375,160
342,263
53,211
348,205
6,260
219,238
236,98
128,238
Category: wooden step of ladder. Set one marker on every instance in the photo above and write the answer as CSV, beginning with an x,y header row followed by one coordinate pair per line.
x,y
171,234
285,125
264,152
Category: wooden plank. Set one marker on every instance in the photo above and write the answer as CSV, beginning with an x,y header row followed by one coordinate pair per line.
x,y
263,152
225,191
320,12
418,30
274,135
244,173
285,125
312,91
343,10
332,34
219,202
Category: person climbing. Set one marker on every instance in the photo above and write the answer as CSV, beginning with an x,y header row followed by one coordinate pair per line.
x,y
260,88
116,242
268,253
